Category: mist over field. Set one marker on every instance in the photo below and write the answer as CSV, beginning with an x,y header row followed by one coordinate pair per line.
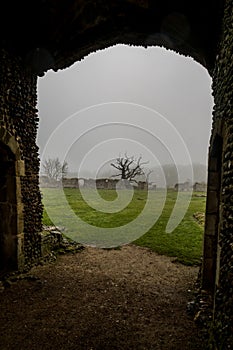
x,y
150,102
169,171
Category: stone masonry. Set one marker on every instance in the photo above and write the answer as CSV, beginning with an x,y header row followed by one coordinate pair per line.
x,y
62,33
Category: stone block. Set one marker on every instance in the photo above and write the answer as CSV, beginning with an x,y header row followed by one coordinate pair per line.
x,y
213,164
211,224
212,202
208,274
20,168
12,144
213,180
18,188
209,247
20,222
218,265
20,251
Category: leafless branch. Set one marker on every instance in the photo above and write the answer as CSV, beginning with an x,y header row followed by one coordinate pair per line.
x,y
129,167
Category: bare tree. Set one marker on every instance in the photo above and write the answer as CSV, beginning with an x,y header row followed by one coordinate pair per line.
x,y
54,169
129,167
147,174
64,169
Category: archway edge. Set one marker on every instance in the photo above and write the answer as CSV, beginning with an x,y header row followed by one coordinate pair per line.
x,y
82,27
77,55
10,142
184,27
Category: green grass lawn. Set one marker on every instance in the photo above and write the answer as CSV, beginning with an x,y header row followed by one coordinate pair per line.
x,y
184,243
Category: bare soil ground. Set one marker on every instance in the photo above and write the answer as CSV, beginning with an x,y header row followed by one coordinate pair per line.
x,y
97,299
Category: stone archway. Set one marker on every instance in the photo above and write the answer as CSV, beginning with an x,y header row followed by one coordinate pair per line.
x,y
11,208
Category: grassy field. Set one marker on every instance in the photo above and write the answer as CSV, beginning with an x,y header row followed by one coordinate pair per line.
x,y
184,243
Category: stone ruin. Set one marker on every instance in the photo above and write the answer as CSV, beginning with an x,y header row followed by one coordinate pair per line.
x,y
105,183
62,33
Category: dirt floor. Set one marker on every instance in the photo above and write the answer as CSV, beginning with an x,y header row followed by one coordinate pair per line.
x,y
97,299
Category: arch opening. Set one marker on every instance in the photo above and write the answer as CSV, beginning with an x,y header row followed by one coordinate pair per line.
x,y
139,84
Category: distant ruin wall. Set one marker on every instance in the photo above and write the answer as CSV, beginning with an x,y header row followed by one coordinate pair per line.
x,y
107,184
70,183
200,187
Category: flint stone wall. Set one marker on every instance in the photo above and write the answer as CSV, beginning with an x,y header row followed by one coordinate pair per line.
x,y
18,124
218,241
18,130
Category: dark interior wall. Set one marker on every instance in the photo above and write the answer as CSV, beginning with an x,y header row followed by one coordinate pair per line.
x,y
223,129
18,115
8,210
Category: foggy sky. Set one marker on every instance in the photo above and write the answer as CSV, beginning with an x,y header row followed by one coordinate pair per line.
x,y
108,103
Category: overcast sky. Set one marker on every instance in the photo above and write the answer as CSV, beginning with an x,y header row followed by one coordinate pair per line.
x,y
150,102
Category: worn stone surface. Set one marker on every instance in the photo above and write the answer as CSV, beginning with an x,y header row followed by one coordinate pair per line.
x,y
53,241
18,125
221,151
